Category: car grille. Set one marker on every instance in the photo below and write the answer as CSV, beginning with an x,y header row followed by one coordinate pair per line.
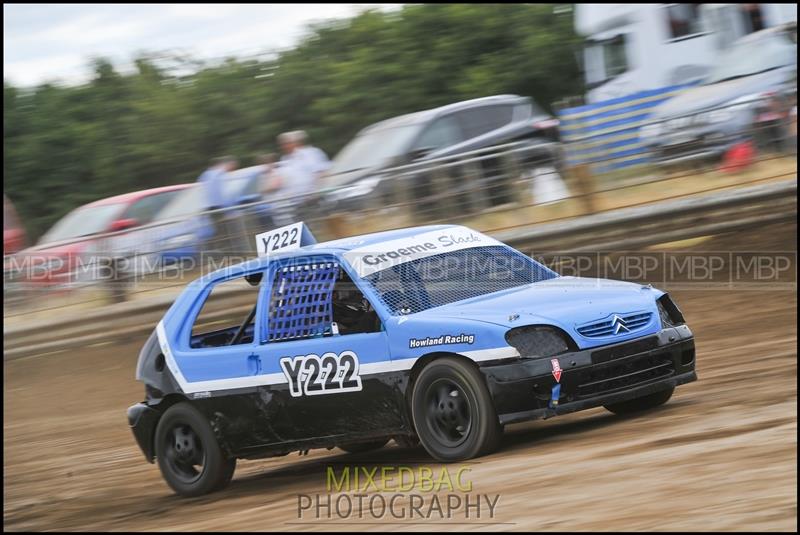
x,y
623,350
608,327
625,373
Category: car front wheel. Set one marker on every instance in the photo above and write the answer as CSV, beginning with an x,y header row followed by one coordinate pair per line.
x,y
188,453
453,411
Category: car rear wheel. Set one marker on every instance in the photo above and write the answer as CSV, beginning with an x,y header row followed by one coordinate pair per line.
x,y
188,453
453,411
360,447
641,404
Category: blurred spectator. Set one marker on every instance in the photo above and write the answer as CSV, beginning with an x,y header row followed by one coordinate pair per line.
x,y
212,180
300,166
270,181
296,144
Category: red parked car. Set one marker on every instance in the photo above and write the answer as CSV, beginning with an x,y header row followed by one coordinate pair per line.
x,y
61,253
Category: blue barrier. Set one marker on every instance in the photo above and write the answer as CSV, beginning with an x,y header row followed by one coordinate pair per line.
x,y
606,134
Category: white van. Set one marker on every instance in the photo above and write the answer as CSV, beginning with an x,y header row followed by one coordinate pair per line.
x,y
635,47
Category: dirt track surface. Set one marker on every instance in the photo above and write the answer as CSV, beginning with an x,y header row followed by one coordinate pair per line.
x,y
721,455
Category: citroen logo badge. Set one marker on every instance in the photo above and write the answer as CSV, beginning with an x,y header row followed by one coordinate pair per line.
x,y
619,325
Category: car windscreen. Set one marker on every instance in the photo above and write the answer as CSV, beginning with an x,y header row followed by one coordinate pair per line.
x,y
446,278
83,221
374,148
748,57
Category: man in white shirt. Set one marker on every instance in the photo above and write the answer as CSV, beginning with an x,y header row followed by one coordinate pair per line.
x,y
299,168
295,175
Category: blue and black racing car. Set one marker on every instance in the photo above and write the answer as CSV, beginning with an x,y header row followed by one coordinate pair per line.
x,y
439,334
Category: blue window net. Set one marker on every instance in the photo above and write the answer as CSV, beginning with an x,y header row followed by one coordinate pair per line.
x,y
300,305
446,278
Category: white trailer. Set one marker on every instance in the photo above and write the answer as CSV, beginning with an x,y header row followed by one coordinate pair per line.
x,y
635,47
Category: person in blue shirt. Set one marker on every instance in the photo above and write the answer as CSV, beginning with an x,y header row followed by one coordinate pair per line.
x,y
212,181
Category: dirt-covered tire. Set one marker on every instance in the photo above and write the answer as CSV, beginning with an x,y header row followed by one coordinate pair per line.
x,y
188,453
453,412
361,447
642,403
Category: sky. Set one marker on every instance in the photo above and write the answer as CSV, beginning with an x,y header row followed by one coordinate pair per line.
x,y
55,42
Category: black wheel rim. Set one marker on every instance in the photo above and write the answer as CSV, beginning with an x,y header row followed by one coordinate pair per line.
x,y
449,415
184,453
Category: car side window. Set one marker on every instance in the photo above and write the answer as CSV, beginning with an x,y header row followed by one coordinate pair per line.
x,y
443,132
478,121
315,298
352,312
144,210
228,314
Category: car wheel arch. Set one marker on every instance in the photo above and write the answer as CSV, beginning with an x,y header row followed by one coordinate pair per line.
x,y
425,359
169,400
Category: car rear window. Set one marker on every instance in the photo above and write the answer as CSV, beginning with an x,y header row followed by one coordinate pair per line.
x,y
446,278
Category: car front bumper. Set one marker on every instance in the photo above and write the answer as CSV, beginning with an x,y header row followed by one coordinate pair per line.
x,y
142,420
523,389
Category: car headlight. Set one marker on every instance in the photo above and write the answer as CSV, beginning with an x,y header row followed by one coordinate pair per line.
x,y
650,131
669,312
538,341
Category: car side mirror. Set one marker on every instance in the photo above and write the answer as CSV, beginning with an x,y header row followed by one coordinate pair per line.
x,y
253,279
123,224
419,153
